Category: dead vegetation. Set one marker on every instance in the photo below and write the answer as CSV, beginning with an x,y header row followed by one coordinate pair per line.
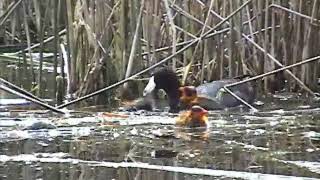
x,y
103,42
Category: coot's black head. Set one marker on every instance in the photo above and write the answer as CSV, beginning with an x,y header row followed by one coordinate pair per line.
x,y
163,78
166,79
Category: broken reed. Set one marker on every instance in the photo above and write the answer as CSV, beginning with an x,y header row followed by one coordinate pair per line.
x,y
107,41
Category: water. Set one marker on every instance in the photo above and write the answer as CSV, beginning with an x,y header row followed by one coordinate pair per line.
x,y
275,143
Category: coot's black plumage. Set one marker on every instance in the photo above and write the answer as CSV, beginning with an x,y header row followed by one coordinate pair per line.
x,y
167,80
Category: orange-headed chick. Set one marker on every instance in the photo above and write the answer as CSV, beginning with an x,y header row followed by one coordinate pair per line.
x,y
188,96
195,117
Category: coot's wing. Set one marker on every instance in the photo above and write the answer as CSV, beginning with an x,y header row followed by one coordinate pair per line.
x,y
209,103
243,91
211,89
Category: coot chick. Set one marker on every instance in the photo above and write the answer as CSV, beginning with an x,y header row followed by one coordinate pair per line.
x,y
195,117
190,97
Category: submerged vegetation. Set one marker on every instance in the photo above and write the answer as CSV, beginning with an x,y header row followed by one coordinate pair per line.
x,y
93,44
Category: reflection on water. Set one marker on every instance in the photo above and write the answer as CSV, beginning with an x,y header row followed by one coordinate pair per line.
x,y
43,163
239,145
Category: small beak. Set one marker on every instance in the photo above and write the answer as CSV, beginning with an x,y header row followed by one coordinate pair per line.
x,y
181,92
181,89
204,113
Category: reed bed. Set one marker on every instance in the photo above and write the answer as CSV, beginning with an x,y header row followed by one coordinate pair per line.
x,y
97,43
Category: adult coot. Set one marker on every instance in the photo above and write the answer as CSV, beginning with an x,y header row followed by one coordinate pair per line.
x,y
209,95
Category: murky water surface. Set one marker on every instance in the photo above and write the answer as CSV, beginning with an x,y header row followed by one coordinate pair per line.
x,y
280,142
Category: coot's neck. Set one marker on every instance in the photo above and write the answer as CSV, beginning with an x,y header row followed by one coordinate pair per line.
x,y
167,80
174,98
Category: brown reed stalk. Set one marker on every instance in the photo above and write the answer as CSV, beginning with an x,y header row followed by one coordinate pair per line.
x,y
100,39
